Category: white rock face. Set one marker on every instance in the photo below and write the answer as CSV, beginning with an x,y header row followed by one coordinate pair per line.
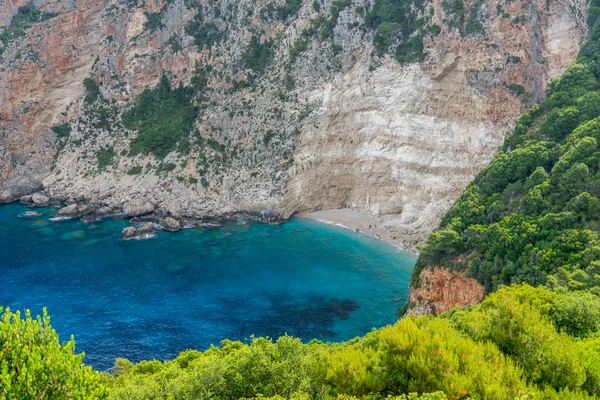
x,y
400,144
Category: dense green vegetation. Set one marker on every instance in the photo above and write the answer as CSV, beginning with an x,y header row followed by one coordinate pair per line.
x,y
533,214
257,54
520,343
287,10
25,17
163,117
62,130
92,90
35,365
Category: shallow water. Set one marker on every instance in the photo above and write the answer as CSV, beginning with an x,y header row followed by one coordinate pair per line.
x,y
144,299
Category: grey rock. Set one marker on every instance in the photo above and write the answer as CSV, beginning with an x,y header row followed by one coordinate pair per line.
x,y
137,207
16,188
171,224
129,232
87,209
57,200
76,211
145,230
39,200
25,199
423,308
105,211
71,211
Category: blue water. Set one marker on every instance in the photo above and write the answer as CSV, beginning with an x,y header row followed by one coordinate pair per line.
x,y
144,299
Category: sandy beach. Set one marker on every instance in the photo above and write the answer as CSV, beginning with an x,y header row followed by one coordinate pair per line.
x,y
403,237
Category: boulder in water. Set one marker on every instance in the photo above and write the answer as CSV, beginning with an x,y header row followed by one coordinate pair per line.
x,y
129,232
171,224
39,200
70,211
144,231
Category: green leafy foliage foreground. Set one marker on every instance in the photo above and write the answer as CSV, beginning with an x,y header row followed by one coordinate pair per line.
x,y
533,215
35,365
520,343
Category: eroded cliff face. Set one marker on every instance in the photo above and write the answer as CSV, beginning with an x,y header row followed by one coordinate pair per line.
x,y
401,142
294,114
442,290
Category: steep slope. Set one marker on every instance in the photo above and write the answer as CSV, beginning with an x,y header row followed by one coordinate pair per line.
x,y
387,107
532,214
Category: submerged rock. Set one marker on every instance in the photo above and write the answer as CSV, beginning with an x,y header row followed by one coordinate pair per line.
x,y
171,224
39,200
30,214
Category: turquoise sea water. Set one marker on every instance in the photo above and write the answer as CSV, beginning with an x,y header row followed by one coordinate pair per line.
x,y
144,299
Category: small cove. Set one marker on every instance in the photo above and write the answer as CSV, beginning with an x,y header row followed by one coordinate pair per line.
x,y
145,299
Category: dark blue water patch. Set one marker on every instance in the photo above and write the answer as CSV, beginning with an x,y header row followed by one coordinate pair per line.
x,y
145,299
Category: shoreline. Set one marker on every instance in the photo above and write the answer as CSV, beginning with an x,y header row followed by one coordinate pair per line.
x,y
387,228
357,222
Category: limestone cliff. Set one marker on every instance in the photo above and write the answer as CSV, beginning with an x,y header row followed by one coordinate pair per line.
x,y
296,106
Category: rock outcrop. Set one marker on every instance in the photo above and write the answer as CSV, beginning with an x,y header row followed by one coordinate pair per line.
x,y
39,200
137,208
442,290
76,211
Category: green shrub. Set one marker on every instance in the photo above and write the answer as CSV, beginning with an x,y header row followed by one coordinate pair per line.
x,y
153,21
516,323
205,33
62,130
34,364
105,158
135,170
257,54
92,90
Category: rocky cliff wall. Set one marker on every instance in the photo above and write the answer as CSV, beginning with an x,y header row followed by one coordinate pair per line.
x,y
442,290
297,111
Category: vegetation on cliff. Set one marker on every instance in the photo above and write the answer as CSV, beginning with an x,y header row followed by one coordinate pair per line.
x,y
521,342
163,117
532,215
